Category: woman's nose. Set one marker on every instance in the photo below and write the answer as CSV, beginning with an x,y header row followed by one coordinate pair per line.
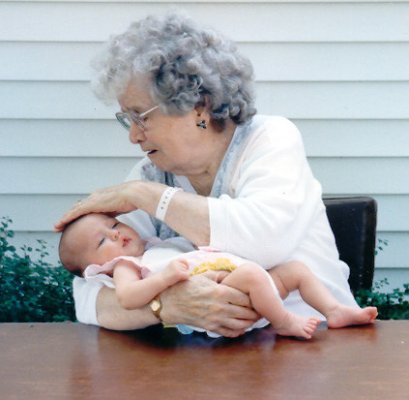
x,y
136,134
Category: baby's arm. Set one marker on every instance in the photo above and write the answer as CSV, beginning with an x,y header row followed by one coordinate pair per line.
x,y
134,292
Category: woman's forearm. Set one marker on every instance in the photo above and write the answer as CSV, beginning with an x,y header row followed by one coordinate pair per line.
x,y
188,214
111,315
198,302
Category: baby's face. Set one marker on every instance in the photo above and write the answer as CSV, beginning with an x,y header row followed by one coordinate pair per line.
x,y
99,238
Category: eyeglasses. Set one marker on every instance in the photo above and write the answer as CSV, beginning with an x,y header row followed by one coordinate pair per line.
x,y
126,118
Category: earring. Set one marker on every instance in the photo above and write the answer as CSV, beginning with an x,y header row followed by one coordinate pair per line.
x,y
202,124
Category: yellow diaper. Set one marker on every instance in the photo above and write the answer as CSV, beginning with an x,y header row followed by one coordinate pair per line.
x,y
220,264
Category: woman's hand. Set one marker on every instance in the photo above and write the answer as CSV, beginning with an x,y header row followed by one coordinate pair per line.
x,y
113,200
203,303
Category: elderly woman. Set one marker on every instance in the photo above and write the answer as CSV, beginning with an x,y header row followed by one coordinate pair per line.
x,y
214,173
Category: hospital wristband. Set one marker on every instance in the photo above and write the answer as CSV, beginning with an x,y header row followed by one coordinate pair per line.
x,y
164,202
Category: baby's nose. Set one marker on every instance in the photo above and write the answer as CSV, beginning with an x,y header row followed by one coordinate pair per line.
x,y
115,234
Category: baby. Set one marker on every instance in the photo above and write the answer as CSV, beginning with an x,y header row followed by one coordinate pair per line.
x,y
98,244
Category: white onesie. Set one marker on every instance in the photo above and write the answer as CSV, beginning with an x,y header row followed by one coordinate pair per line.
x,y
158,255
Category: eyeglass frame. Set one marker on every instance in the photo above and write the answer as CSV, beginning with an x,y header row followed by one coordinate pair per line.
x,y
133,116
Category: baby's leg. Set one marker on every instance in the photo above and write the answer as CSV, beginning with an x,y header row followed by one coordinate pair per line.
x,y
295,275
254,280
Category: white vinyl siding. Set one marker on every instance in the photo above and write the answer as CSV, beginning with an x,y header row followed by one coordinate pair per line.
x,y
338,69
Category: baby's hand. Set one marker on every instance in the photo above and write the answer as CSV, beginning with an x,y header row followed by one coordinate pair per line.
x,y
176,271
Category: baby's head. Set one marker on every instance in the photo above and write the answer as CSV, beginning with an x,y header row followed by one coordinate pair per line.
x,y
97,239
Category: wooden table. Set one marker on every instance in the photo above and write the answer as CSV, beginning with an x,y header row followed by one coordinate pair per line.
x,y
75,361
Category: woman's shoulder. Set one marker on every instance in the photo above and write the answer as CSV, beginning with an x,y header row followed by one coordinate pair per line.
x,y
276,131
273,125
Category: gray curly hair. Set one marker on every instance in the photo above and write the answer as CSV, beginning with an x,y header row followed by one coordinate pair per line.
x,y
187,65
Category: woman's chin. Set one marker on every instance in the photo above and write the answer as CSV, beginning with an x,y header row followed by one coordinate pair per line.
x,y
154,156
156,160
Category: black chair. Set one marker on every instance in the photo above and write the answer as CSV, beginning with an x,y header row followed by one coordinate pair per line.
x,y
353,221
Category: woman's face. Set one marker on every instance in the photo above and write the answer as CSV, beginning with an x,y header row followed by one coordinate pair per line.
x,y
172,143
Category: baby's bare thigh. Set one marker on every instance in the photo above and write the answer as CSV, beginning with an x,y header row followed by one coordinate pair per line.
x,y
247,276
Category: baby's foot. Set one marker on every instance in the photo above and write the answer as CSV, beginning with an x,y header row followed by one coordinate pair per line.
x,y
342,316
294,325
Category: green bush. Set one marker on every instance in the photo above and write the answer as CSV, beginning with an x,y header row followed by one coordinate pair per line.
x,y
32,290
392,305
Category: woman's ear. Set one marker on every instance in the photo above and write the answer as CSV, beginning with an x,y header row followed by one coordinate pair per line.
x,y
202,106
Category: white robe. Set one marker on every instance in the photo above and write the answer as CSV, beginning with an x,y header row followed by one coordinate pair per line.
x,y
265,206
